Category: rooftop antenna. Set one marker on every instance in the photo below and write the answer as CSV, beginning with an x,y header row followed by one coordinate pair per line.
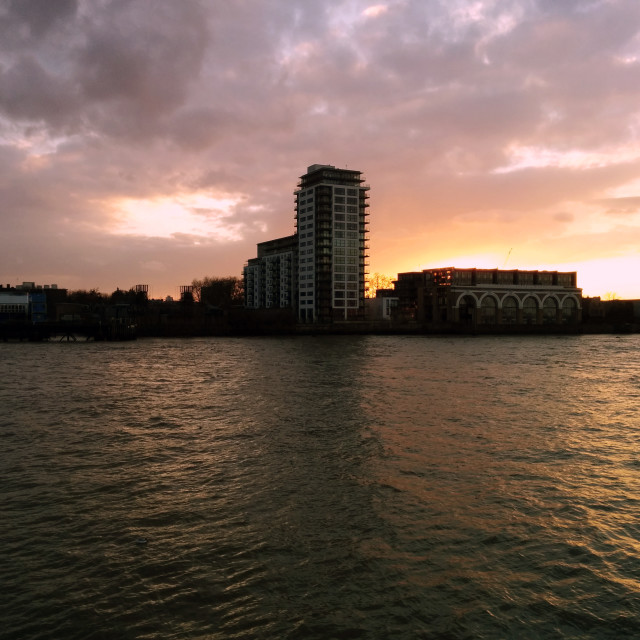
x,y
507,258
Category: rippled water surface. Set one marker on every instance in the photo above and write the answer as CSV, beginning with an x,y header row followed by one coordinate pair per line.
x,y
316,488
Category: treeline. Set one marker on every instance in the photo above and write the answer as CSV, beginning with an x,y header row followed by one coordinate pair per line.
x,y
223,292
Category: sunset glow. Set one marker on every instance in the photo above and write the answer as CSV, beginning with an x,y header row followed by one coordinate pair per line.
x,y
158,141
165,217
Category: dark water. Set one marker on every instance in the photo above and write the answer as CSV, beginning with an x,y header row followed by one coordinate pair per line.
x,y
347,487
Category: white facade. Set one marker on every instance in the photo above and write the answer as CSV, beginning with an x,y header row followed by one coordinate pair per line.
x,y
14,304
331,220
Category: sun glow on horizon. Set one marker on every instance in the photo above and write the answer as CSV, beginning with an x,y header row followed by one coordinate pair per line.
x,y
596,277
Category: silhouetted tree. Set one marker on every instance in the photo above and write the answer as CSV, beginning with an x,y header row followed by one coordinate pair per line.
x,y
132,297
377,281
220,292
89,297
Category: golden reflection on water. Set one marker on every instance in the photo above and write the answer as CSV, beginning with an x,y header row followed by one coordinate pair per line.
x,y
321,487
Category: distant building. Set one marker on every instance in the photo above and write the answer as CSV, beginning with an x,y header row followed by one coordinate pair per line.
x,y
320,271
29,302
611,313
486,297
14,306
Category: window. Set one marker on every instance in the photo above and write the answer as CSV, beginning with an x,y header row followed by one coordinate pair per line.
x,y
530,311
569,311
488,310
509,310
549,310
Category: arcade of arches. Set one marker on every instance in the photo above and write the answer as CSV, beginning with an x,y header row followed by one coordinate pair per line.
x,y
513,309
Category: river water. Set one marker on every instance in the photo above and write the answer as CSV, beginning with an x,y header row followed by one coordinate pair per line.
x,y
343,487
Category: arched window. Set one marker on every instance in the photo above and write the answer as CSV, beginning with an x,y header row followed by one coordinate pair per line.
x,y
467,310
509,310
488,310
530,311
569,311
550,311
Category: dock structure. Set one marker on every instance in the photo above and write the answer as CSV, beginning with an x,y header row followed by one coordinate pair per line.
x,y
66,331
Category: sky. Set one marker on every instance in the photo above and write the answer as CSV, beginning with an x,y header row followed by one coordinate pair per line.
x,y
154,141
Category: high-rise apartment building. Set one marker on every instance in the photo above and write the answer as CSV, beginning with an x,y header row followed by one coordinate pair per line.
x,y
320,271
331,217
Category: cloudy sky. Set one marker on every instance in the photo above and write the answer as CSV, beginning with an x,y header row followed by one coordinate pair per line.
x,y
157,141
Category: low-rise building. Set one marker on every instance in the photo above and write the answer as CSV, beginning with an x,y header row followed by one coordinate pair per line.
x,y
489,297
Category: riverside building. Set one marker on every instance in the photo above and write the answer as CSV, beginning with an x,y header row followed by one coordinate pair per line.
x,y
489,297
320,271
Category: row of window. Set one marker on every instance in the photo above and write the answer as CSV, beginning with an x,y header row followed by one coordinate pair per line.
x,y
13,308
488,310
343,260
340,251
340,243
351,226
340,217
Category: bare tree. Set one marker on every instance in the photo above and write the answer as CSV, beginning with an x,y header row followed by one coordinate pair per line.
x,y
220,292
377,281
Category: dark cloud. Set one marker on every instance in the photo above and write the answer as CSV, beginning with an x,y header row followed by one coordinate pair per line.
x,y
31,19
29,92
